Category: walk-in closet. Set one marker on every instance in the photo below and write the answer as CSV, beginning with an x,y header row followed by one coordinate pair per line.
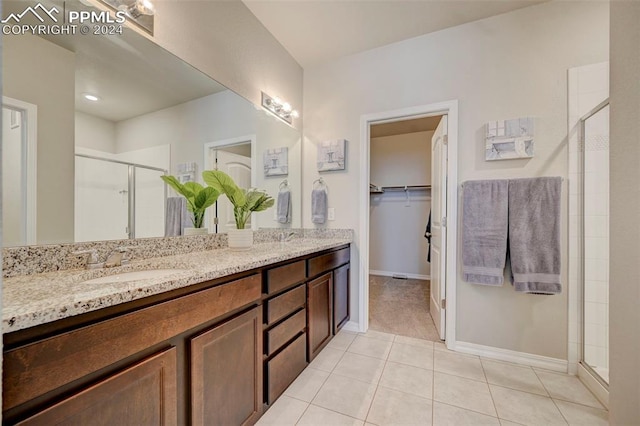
x,y
400,205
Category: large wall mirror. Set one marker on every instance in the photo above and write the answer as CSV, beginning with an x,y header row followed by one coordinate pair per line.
x,y
90,122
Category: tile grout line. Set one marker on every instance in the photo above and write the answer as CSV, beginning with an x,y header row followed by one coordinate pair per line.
x,y
493,401
433,386
375,392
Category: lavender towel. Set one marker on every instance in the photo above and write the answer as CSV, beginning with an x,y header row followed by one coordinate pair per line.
x,y
176,217
284,206
534,234
484,231
319,206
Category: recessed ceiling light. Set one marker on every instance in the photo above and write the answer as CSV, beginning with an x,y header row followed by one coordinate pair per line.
x,y
91,97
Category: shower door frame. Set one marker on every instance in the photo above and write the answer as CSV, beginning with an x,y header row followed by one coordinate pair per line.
x,y
131,193
583,151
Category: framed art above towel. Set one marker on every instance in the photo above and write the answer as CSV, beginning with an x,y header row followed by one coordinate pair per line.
x,y
276,162
509,139
332,155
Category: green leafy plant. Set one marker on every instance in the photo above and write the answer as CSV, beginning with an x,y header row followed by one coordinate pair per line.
x,y
244,201
198,197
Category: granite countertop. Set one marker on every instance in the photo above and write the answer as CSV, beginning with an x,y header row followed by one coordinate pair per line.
x,y
32,300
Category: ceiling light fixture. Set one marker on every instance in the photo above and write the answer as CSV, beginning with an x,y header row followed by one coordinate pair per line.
x,y
90,97
280,109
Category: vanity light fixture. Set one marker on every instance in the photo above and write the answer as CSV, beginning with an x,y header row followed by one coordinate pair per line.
x,y
140,12
90,97
279,108
138,8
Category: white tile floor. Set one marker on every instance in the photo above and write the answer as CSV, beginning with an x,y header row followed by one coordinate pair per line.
x,y
384,379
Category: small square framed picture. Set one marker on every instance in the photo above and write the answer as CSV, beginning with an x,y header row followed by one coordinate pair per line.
x,y
276,162
332,155
509,139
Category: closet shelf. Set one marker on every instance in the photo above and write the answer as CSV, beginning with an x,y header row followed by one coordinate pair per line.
x,y
373,189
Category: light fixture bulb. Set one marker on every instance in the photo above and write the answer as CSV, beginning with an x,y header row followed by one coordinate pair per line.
x,y
277,101
145,7
90,97
286,107
295,114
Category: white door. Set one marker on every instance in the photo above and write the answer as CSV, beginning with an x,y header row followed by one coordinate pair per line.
x,y
239,168
438,224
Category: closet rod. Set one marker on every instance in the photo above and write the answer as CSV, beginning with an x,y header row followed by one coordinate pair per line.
x,y
404,188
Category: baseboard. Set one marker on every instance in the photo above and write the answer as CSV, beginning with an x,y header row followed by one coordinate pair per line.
x,y
390,274
351,326
596,388
532,360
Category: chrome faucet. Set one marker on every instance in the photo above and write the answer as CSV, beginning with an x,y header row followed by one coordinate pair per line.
x,y
116,258
284,237
91,258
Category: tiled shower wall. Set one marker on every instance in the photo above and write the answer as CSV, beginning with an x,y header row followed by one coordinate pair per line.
x,y
588,87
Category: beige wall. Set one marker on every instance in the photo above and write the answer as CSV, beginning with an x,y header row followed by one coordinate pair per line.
x,y
624,297
508,66
95,133
41,73
396,227
226,41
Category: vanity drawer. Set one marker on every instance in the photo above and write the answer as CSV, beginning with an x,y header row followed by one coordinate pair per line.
x,y
285,276
283,305
282,370
282,333
329,261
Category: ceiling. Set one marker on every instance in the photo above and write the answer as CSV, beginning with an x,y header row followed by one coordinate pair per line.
x,y
402,127
317,31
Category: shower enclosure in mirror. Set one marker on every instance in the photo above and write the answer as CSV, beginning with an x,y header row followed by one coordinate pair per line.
x,y
115,199
117,97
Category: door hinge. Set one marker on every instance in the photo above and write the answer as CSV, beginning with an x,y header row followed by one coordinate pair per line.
x,y
445,139
444,221
443,303
215,220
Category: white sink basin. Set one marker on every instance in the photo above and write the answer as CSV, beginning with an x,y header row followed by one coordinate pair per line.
x,y
134,276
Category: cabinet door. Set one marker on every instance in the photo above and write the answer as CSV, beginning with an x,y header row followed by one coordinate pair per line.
x,y
144,394
226,372
319,313
340,297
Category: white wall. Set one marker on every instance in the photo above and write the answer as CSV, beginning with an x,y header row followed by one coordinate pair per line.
x,y
51,88
226,41
624,297
397,243
188,127
511,65
95,133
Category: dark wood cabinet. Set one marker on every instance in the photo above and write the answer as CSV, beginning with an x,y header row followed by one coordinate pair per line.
x,y
209,354
340,297
319,308
226,372
143,394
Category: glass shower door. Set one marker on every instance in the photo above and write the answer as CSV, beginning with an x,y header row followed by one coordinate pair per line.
x,y
595,195
101,200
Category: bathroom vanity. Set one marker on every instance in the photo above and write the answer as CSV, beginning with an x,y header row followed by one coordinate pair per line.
x,y
214,345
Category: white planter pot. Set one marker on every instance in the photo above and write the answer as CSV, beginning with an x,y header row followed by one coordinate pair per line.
x,y
240,239
195,231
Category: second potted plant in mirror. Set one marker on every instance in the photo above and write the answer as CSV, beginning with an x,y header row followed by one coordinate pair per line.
x,y
244,201
198,199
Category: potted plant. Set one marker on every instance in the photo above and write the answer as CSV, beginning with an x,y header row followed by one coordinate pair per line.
x,y
198,199
244,201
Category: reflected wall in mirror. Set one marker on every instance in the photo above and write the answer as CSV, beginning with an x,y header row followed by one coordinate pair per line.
x,y
93,170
